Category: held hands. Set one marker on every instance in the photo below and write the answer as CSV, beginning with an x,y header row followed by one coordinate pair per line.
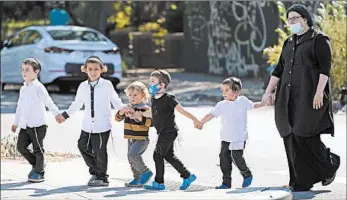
x,y
13,128
267,99
137,115
198,124
318,100
59,118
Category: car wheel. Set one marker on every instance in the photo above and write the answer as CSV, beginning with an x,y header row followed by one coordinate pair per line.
x,y
2,86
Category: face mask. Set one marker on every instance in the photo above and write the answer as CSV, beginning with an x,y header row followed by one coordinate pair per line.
x,y
153,89
296,28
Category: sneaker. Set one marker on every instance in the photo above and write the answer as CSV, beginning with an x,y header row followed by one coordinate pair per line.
x,y
223,187
91,179
133,183
98,183
155,186
187,181
31,172
329,180
247,181
36,178
145,177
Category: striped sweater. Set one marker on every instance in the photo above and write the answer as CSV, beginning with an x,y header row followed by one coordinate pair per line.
x,y
135,129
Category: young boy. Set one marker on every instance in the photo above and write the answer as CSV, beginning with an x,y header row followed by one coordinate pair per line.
x,y
97,95
136,127
163,115
233,111
31,118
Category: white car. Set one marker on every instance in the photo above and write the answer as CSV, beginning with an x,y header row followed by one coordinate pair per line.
x,y
62,50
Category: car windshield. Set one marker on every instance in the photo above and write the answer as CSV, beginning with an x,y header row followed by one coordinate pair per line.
x,y
81,35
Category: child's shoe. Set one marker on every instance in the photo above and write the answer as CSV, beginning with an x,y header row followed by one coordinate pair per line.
x,y
247,181
155,186
145,177
31,172
223,187
187,181
36,178
98,183
133,183
91,179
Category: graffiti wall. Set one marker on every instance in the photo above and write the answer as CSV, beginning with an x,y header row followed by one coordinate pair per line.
x,y
228,37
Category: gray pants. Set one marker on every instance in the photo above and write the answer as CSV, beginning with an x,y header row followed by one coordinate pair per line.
x,y
135,149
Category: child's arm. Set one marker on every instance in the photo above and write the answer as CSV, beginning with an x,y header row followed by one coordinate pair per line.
x,y
144,120
18,113
76,104
180,109
207,118
120,115
47,100
258,104
115,100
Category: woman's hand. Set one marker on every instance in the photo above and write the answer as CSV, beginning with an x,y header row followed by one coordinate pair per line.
x,y
318,100
267,99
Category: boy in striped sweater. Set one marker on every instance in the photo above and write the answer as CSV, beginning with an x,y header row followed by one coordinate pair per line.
x,y
136,127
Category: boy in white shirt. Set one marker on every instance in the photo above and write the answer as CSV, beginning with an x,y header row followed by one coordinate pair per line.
x,y
233,111
31,118
97,95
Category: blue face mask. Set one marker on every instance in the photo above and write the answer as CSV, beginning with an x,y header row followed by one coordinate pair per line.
x,y
153,89
295,28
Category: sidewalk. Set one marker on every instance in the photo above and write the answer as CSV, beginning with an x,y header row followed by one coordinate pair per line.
x,y
67,180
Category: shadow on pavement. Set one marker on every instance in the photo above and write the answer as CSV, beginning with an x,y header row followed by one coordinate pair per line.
x,y
309,194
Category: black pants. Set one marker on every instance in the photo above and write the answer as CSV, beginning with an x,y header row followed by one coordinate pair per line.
x,y
93,147
35,137
309,161
227,157
164,150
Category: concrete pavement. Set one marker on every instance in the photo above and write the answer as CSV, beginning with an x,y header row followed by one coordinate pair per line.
x,y
67,180
197,149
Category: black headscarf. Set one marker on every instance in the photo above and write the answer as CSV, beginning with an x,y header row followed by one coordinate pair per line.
x,y
302,10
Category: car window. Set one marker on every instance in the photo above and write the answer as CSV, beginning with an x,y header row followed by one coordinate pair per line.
x,y
81,35
18,39
32,38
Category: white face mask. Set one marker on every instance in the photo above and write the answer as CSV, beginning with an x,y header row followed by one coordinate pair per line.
x,y
296,28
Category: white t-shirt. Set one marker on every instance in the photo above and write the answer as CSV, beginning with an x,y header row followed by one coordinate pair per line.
x,y
234,118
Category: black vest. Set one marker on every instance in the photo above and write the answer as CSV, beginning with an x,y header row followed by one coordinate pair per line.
x,y
294,111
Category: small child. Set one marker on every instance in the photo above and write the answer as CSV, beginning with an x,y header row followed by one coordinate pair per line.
x,y
233,112
163,113
136,127
97,95
31,118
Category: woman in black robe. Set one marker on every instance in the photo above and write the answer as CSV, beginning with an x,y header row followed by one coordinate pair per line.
x,y
303,106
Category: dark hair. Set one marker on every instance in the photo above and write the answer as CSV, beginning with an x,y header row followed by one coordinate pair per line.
x,y
303,11
94,59
163,76
234,83
35,63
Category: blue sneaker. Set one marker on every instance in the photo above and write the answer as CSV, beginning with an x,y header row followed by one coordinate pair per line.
x,y
223,187
145,177
31,172
133,183
247,181
36,178
155,186
187,181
